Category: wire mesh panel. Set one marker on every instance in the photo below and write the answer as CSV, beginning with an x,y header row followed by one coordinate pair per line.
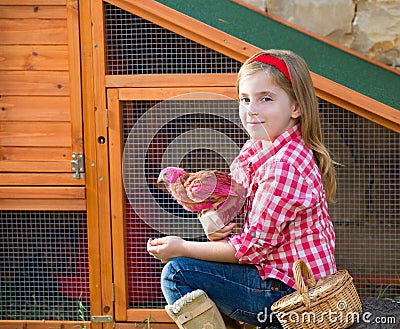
x,y
43,265
137,46
366,215
192,134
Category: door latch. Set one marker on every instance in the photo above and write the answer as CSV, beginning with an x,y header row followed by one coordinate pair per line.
x,y
77,165
101,318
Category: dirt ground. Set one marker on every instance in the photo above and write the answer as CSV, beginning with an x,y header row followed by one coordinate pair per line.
x,y
378,313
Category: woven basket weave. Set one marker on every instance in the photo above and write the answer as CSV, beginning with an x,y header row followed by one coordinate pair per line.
x,y
330,303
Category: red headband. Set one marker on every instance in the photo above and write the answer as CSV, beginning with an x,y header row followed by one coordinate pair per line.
x,y
273,61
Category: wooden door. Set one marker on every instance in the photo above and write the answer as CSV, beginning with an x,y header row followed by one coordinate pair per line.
x,y
196,128
41,112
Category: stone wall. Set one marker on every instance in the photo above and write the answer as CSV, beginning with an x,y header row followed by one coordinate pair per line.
x,y
371,27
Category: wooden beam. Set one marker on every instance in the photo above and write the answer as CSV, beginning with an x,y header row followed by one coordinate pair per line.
x,y
156,315
34,58
34,108
42,324
33,11
33,31
43,204
40,179
35,166
142,325
44,154
158,325
46,192
92,178
34,83
102,152
325,89
117,206
75,86
33,2
191,93
171,80
41,134
357,103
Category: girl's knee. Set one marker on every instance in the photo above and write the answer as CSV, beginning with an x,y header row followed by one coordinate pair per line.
x,y
173,283
170,269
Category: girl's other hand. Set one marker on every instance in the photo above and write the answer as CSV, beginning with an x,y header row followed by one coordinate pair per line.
x,y
165,248
221,233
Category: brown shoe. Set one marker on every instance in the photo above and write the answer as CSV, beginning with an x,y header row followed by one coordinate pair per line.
x,y
196,310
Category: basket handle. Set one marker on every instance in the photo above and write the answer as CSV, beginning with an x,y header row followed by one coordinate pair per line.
x,y
301,269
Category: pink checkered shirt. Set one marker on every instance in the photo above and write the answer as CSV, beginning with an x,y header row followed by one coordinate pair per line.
x,y
287,213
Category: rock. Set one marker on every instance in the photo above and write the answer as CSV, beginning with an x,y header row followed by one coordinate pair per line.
x,y
371,27
260,4
377,30
323,17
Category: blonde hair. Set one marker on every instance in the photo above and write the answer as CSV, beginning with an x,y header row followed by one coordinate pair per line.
x,y
300,89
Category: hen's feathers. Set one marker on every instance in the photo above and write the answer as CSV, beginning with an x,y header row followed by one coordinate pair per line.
x,y
213,194
208,184
204,190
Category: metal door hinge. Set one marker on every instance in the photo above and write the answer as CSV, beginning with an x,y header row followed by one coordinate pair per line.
x,y
77,165
102,318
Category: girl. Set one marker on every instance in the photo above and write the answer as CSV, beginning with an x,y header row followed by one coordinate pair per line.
x,y
289,177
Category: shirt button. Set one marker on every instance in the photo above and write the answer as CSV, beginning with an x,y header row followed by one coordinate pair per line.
x,y
253,234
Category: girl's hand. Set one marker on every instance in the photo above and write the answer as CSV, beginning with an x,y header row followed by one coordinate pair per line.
x,y
221,233
165,248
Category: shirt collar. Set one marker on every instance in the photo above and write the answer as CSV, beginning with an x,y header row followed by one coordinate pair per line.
x,y
260,150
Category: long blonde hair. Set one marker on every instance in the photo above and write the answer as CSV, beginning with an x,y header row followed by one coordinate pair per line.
x,y
301,89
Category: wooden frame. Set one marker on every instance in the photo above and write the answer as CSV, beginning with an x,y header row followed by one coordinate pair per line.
x,y
114,97
332,92
74,51
96,160
38,324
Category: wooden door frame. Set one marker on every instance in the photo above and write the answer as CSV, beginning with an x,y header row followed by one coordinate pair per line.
x,y
96,159
114,98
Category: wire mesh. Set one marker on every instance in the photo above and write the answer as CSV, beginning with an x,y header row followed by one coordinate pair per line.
x,y
365,216
199,125
43,265
137,46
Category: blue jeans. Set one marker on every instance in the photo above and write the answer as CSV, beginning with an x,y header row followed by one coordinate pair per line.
x,y
236,289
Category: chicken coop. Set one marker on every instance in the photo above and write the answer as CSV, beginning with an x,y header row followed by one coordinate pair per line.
x,y
98,96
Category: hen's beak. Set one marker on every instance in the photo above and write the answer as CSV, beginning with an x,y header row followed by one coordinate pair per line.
x,y
161,184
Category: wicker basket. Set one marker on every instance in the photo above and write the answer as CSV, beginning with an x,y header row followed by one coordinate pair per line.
x,y
331,303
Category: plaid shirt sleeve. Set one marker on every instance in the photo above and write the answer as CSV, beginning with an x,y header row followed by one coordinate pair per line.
x,y
279,197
